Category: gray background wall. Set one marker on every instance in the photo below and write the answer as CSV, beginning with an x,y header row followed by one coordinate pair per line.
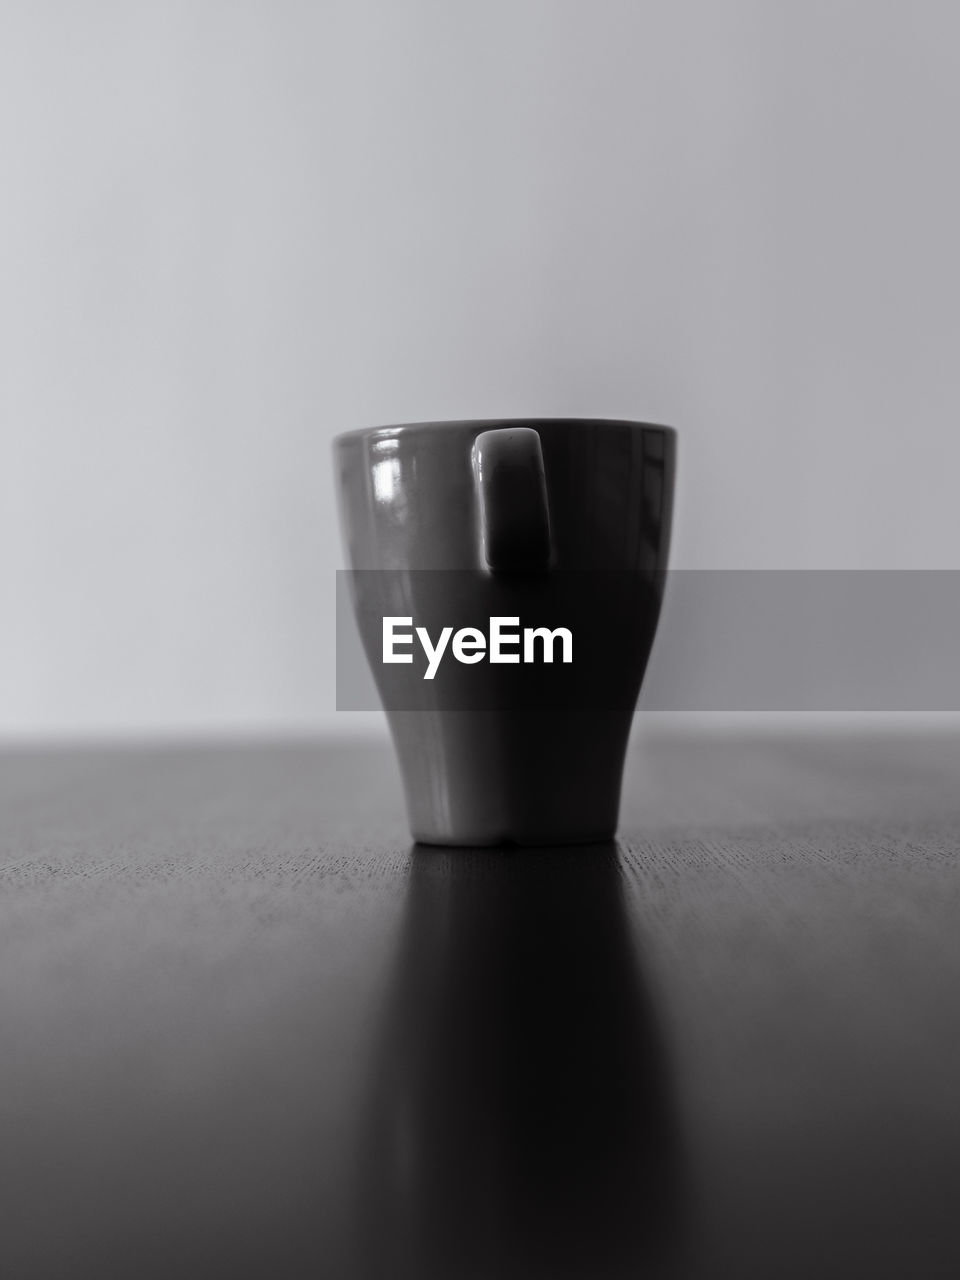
x,y
230,230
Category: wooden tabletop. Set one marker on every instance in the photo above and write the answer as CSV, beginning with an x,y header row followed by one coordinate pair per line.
x,y
247,1030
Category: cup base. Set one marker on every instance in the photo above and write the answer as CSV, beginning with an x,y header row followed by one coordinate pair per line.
x,y
531,840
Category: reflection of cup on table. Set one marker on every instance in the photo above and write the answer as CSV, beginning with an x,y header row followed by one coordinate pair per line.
x,y
520,1117
558,525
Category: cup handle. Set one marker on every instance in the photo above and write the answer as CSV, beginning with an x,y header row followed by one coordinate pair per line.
x,y
512,500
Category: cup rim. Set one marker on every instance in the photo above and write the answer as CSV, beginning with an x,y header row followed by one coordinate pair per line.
x,y
491,424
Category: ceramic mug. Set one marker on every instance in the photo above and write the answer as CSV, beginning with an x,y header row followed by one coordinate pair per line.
x,y
565,520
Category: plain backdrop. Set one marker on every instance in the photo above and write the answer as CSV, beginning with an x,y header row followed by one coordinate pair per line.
x,y
230,230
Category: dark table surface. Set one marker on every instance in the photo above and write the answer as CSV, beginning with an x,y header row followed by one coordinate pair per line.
x,y
247,1030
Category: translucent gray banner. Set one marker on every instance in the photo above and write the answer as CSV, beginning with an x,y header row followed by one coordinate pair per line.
x,y
727,640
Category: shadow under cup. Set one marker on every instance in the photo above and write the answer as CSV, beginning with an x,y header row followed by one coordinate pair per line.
x,y
560,523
